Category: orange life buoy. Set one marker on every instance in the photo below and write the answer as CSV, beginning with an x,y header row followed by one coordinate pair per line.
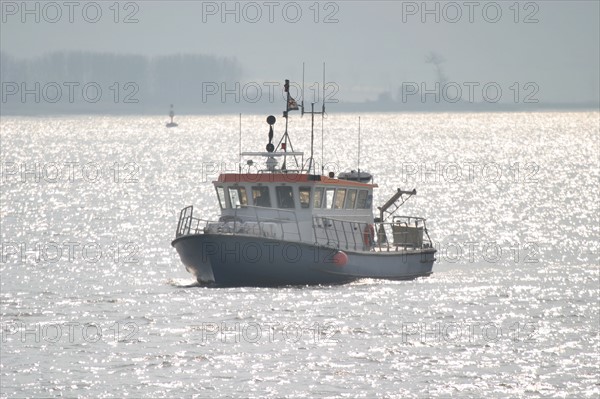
x,y
369,235
340,259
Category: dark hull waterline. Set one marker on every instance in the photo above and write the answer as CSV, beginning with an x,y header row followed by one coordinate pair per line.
x,y
236,260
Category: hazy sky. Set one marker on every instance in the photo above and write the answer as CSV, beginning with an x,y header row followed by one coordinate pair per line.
x,y
369,46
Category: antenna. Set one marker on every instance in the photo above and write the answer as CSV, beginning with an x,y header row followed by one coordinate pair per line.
x,y
359,148
311,161
323,125
323,88
302,102
240,162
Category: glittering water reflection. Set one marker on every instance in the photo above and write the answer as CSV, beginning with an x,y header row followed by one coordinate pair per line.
x,y
96,303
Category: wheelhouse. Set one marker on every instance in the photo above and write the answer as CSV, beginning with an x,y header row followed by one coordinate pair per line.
x,y
300,192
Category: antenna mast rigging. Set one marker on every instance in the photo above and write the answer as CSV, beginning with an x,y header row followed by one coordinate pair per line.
x,y
312,124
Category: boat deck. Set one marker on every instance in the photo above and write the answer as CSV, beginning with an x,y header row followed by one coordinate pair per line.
x,y
404,234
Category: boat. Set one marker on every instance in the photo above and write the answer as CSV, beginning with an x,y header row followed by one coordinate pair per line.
x,y
282,226
171,114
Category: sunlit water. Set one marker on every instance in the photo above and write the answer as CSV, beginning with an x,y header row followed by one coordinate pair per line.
x,y
95,302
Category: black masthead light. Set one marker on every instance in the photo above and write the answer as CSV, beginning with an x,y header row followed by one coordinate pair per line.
x,y
271,121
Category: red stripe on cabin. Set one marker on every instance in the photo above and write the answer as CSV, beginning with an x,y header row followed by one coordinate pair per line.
x,y
287,178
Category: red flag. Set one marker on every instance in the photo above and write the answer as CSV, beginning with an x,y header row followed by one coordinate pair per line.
x,y
283,146
292,105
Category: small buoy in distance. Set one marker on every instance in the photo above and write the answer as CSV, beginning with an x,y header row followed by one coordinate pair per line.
x,y
340,258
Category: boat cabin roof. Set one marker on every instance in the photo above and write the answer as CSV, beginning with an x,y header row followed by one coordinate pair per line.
x,y
288,178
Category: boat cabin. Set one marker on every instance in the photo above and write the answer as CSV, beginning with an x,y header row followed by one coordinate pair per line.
x,y
294,191
296,204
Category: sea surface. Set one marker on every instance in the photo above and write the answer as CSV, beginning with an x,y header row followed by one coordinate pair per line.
x,y
95,302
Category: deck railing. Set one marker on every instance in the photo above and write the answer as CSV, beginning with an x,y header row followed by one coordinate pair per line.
x,y
403,233
406,232
339,233
262,224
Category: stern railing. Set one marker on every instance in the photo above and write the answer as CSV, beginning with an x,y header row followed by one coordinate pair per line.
x,y
403,233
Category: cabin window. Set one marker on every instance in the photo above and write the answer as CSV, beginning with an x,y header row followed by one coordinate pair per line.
x,y
362,199
221,196
329,197
318,201
243,196
285,197
238,197
351,199
304,197
260,196
340,196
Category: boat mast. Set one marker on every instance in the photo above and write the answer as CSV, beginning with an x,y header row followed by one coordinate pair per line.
x,y
286,136
285,115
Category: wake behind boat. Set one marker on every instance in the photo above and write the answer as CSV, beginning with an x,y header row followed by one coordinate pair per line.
x,y
284,226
